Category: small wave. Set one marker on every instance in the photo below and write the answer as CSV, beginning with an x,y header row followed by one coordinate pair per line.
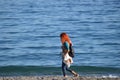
x,y
110,76
42,47
49,70
110,44
6,48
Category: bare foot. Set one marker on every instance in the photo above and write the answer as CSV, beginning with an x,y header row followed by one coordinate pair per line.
x,y
76,75
65,76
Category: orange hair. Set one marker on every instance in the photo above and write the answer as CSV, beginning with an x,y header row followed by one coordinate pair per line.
x,y
64,37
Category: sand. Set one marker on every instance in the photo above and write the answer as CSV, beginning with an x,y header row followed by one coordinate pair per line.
x,y
56,78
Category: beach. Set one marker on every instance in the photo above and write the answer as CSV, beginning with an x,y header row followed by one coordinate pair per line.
x,y
57,78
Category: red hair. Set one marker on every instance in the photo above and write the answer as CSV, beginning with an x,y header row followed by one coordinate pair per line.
x,y
64,37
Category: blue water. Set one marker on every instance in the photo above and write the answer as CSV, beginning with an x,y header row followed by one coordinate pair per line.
x,y
29,32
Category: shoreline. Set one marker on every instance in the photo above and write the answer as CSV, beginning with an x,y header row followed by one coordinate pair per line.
x,y
56,78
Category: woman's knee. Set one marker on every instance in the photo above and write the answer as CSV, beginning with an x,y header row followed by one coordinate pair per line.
x,y
68,69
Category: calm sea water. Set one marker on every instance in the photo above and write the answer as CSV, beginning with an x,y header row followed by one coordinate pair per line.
x,y
29,32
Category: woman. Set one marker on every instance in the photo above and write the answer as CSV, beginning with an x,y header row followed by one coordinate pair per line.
x,y
66,59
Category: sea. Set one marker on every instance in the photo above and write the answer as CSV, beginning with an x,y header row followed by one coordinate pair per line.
x,y
30,42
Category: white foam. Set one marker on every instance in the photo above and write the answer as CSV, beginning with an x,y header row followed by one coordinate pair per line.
x,y
110,76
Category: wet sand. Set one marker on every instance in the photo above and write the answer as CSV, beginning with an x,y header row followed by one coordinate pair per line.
x,y
56,78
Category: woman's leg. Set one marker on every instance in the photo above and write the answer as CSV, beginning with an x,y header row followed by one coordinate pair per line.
x,y
63,68
71,71
68,69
